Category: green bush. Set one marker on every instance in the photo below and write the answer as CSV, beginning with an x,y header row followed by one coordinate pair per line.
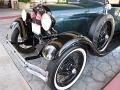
x,y
25,1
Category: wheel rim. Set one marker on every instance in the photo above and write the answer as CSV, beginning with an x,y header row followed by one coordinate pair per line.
x,y
104,37
70,69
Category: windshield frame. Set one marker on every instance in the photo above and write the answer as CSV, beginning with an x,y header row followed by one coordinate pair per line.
x,y
76,1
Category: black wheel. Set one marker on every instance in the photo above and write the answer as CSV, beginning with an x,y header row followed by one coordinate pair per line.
x,y
102,31
65,71
16,40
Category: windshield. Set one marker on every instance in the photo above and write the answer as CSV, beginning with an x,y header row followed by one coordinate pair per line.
x,y
85,0
71,1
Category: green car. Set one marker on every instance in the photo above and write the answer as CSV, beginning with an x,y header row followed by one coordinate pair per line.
x,y
65,32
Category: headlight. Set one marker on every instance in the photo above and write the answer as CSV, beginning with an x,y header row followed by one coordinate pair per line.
x,y
49,52
24,15
46,21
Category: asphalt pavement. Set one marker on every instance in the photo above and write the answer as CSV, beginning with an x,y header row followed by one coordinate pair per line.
x,y
97,73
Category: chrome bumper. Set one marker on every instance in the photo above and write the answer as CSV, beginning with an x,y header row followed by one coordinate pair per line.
x,y
33,69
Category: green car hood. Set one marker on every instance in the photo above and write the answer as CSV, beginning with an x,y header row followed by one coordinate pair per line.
x,y
75,17
81,5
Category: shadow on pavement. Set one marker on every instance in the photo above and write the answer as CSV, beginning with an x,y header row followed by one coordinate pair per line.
x,y
114,43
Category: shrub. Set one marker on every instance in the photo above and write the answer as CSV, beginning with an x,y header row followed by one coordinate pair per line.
x,y
25,1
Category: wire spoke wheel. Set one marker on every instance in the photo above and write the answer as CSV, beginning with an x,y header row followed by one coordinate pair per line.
x,y
104,37
101,33
70,69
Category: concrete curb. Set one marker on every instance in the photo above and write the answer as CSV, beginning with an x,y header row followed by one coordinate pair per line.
x,y
9,17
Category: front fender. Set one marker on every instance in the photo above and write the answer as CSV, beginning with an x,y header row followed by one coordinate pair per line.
x,y
14,25
51,50
80,41
57,47
20,25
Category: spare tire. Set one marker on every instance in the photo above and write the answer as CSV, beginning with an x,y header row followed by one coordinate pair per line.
x,y
102,31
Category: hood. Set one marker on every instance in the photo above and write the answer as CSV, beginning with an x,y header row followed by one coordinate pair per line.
x,y
81,5
77,17
68,9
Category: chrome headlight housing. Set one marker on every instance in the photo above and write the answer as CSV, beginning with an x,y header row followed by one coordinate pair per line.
x,y
24,15
49,52
46,21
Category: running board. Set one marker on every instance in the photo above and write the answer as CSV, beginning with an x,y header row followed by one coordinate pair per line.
x,y
33,69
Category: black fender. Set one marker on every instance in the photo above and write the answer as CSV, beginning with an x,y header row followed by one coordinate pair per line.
x,y
81,40
20,25
58,46
24,27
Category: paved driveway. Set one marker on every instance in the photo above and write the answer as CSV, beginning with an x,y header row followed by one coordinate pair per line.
x,y
10,77
98,70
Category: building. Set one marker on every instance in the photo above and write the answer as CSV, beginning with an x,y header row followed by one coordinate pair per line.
x,y
15,4
26,6
5,4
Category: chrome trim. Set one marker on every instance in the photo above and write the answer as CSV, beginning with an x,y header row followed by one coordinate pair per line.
x,y
49,52
35,70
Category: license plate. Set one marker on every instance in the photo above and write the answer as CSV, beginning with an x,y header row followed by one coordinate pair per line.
x,y
36,29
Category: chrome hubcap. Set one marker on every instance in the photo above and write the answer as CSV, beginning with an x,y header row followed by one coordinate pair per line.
x,y
74,71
